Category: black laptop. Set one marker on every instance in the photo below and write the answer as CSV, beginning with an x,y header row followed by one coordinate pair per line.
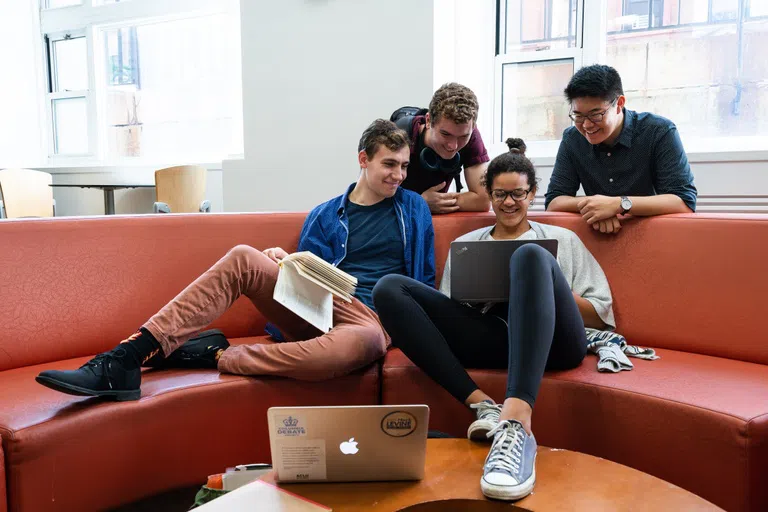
x,y
480,268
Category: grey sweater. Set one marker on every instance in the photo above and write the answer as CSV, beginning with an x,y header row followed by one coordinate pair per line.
x,y
580,268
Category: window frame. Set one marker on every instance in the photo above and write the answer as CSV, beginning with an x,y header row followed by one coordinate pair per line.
x,y
588,49
89,19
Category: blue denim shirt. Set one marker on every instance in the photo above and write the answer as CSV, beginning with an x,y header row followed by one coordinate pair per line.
x,y
647,159
326,230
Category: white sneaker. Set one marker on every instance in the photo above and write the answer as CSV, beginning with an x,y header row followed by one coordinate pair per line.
x,y
510,468
487,419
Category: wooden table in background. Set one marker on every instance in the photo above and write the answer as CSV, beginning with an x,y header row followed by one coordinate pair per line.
x,y
565,480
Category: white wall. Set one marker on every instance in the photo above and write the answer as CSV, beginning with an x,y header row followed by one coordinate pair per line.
x,y
20,84
315,74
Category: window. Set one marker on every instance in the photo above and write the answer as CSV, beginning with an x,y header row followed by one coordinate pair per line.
x,y
68,94
704,70
157,80
55,4
533,99
533,25
697,62
540,51
757,8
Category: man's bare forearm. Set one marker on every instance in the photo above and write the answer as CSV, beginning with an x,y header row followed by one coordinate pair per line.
x,y
473,202
645,206
565,204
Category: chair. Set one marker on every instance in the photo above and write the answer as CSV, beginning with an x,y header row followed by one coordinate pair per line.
x,y
26,193
181,189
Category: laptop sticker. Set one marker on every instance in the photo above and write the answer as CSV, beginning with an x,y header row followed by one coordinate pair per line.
x,y
290,426
398,424
302,459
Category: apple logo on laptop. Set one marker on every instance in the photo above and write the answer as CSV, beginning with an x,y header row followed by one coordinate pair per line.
x,y
349,447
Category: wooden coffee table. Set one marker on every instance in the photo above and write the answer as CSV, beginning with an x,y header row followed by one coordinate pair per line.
x,y
565,480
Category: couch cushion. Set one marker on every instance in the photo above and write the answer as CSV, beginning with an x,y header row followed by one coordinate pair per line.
x,y
73,287
683,282
3,497
697,421
187,425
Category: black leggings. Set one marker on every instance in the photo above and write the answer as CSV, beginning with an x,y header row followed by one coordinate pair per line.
x,y
443,337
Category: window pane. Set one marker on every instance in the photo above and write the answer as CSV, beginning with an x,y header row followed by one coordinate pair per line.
x,y
173,88
540,24
692,76
723,10
70,123
69,65
533,106
53,4
758,8
694,11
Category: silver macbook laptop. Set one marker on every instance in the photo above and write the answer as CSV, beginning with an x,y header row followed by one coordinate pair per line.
x,y
348,443
480,268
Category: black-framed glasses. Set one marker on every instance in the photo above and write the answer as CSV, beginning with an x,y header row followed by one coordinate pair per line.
x,y
597,117
500,195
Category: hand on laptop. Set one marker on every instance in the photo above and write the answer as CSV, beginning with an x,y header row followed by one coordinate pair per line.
x,y
275,254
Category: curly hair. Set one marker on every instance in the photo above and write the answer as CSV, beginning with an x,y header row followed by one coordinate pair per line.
x,y
382,132
512,161
455,102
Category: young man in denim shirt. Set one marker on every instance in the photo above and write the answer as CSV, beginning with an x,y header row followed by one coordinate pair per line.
x,y
375,228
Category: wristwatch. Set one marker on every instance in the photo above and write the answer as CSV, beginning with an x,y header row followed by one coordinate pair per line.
x,y
626,205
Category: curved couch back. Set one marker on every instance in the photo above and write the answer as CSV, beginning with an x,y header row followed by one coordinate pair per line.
x,y
72,287
695,283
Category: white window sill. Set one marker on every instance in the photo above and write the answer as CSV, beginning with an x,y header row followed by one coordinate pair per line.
x,y
544,153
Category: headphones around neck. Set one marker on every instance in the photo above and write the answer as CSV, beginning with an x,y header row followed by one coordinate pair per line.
x,y
431,161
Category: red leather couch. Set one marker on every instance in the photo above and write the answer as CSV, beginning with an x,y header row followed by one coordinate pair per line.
x,y
691,286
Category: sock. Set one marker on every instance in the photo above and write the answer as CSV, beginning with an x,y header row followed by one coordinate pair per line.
x,y
139,347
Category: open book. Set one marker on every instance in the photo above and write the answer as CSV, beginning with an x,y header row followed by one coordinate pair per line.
x,y
306,285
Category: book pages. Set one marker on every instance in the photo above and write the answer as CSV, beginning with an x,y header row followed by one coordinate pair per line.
x,y
306,298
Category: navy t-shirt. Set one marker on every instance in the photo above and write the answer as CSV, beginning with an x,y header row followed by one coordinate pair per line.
x,y
374,246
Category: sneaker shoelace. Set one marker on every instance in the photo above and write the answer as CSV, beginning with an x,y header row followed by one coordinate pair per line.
x,y
507,450
487,411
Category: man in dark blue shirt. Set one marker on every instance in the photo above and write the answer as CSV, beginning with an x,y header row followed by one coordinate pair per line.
x,y
627,162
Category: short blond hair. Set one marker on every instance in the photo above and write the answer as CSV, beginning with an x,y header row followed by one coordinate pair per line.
x,y
455,102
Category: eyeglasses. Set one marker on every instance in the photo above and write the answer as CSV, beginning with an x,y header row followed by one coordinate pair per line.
x,y
597,117
499,195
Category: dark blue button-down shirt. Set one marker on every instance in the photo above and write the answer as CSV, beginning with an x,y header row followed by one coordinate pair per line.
x,y
647,159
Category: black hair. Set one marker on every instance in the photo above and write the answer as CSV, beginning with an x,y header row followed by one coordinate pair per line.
x,y
595,81
512,161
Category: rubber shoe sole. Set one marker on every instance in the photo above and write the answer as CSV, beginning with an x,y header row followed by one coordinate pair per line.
x,y
508,492
478,430
70,389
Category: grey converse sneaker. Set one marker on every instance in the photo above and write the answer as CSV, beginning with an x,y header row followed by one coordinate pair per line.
x,y
487,418
509,472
